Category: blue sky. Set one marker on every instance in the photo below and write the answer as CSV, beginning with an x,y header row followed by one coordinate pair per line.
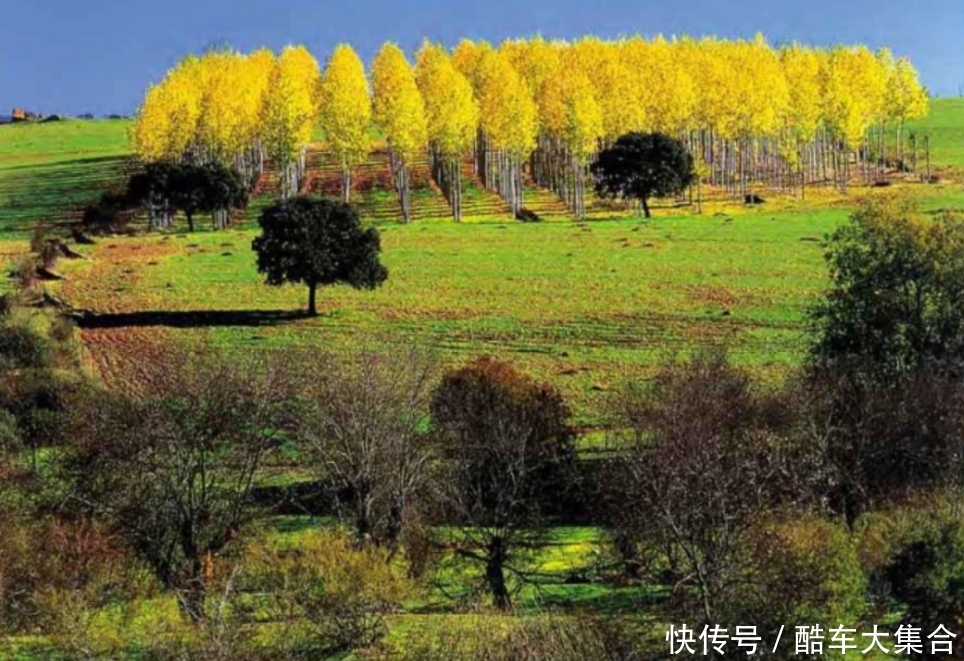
x,y
98,56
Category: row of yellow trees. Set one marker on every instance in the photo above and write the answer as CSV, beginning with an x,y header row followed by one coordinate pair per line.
x,y
749,112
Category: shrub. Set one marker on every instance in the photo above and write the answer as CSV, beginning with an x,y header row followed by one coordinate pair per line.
x,y
22,348
892,309
804,571
110,214
928,577
546,638
10,439
58,574
40,401
338,593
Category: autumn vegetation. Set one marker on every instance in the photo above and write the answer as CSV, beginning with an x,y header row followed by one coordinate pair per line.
x,y
540,111
243,486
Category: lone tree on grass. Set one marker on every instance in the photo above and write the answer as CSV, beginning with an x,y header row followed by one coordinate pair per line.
x,y
317,242
642,165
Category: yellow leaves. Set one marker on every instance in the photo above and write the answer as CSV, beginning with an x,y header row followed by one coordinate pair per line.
x,y
227,109
398,107
167,123
509,114
450,109
291,109
346,106
568,106
612,84
905,96
801,68
854,84
221,105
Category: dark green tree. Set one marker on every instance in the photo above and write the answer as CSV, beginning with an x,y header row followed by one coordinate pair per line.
x,y
894,306
643,165
191,188
317,242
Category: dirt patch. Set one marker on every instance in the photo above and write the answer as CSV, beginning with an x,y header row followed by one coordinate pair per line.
x,y
723,297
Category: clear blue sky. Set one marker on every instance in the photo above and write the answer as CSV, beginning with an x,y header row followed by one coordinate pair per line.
x,y
98,56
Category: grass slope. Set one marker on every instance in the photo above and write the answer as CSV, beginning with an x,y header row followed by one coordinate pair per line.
x,y
46,169
579,304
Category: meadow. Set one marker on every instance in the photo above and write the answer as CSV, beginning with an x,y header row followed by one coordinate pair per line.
x,y
581,304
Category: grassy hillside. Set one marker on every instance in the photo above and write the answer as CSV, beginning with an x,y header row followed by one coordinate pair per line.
x,y
945,126
46,169
579,304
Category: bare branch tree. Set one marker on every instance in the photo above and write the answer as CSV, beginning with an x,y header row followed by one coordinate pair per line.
x,y
173,471
365,430
507,453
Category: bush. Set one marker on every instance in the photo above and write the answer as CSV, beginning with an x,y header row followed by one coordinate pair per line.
x,y
805,571
40,401
10,439
58,575
110,214
545,638
928,577
22,348
336,595
896,280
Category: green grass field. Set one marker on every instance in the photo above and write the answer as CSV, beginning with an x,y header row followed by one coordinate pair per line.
x,y
945,127
47,169
583,305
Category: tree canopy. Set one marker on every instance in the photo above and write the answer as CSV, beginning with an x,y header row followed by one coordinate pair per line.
x,y
316,242
897,280
642,165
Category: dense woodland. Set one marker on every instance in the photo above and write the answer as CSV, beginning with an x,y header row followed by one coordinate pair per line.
x,y
538,111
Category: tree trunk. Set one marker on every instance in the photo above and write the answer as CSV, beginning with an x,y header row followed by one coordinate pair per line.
x,y
312,307
190,221
646,207
346,184
495,574
192,597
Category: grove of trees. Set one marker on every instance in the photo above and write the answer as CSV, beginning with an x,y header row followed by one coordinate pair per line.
x,y
537,110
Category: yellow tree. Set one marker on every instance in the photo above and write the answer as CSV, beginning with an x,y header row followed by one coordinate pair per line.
x,y
580,127
220,127
167,122
346,111
801,69
612,82
906,98
854,84
258,68
509,118
400,113
290,113
452,117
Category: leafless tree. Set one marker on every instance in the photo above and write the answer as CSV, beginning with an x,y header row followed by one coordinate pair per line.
x,y
172,471
365,427
705,459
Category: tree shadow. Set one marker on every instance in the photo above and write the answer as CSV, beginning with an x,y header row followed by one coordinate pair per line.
x,y
189,319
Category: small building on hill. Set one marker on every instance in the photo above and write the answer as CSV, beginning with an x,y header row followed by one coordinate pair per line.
x,y
21,115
